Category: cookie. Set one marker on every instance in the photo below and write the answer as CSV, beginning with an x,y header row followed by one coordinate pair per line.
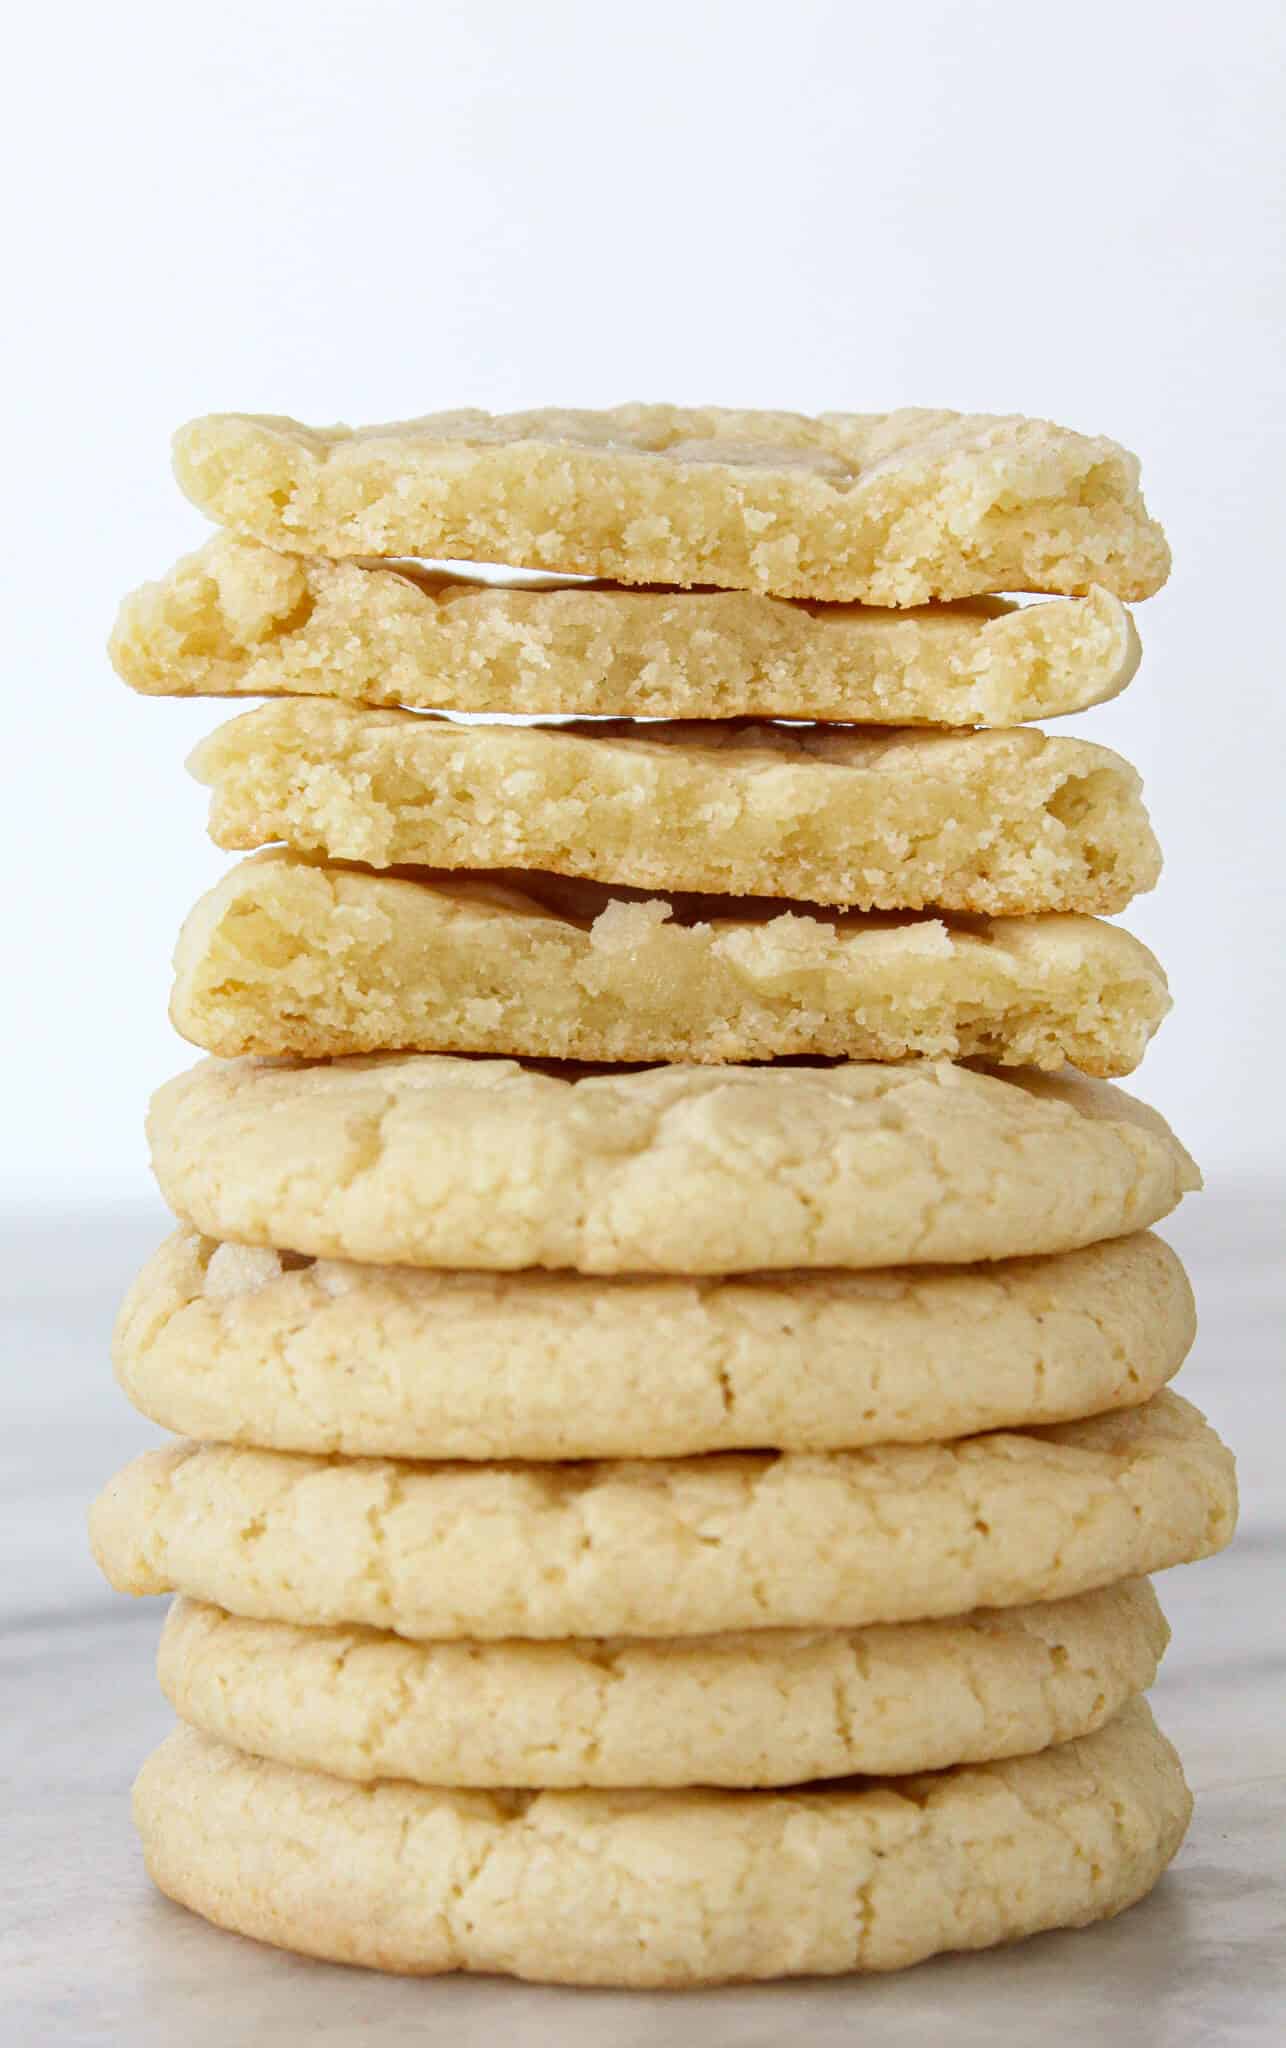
x,y
432,1161
234,1344
664,1888
892,508
672,1547
288,957
768,1707
237,619
1000,822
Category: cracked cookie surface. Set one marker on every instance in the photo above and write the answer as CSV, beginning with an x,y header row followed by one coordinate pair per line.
x,y
427,1160
998,822
664,1888
289,957
236,1344
768,1707
238,619
667,1547
891,508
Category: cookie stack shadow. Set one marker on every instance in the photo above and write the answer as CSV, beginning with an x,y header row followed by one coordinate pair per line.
x,y
672,1358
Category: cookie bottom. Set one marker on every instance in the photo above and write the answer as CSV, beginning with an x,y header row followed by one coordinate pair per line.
x,y
663,1889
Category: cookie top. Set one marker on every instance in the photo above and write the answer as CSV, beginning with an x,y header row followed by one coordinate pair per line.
x,y
239,619
432,1161
236,1344
997,822
767,1707
292,958
891,508
663,1889
667,1547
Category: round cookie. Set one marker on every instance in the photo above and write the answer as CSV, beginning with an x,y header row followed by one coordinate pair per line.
x,y
657,1889
238,1344
239,620
1005,823
669,1547
891,507
763,1708
433,1161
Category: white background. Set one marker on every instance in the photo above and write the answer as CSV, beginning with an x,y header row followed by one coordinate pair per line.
x,y
365,211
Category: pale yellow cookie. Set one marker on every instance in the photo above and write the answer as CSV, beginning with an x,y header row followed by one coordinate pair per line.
x,y
289,957
238,619
432,1161
672,1547
999,822
664,1889
235,1344
892,508
768,1707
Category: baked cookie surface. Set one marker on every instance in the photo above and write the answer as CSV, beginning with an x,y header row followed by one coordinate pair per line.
x,y
237,619
666,1547
288,957
764,1708
891,508
427,1160
999,822
236,1344
657,1889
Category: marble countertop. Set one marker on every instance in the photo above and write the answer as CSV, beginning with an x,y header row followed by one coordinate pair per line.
x,y
89,1954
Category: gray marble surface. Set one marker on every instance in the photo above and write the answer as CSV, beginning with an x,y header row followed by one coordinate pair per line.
x,y
89,1954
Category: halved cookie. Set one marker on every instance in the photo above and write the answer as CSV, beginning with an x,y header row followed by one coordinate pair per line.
x,y
289,957
238,619
892,508
999,822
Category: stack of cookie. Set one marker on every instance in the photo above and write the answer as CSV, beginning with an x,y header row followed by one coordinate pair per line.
x,y
675,1455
